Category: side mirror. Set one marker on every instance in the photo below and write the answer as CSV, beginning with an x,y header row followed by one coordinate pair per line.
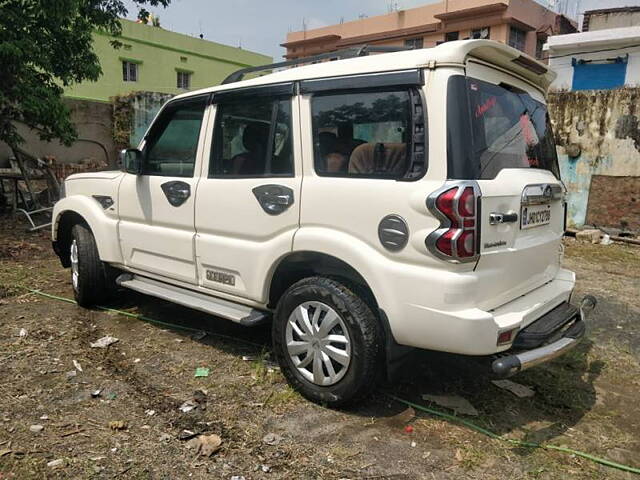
x,y
131,160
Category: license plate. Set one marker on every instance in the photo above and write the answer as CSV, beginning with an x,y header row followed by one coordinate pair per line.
x,y
534,216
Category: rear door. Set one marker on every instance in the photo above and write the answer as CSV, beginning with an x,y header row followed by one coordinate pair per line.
x,y
248,201
513,158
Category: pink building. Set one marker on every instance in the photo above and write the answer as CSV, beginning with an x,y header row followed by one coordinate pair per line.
x,y
523,24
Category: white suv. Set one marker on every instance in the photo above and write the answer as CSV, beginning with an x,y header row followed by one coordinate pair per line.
x,y
366,205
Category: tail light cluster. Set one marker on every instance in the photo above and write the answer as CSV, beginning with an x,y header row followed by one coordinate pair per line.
x,y
456,205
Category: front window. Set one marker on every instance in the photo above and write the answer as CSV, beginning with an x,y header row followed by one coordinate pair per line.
x,y
173,141
517,38
507,127
365,134
129,71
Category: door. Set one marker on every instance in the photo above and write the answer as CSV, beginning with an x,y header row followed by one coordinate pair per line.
x,y
156,208
513,158
248,206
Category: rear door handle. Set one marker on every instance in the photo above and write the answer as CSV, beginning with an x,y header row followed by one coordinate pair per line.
x,y
177,192
496,218
274,199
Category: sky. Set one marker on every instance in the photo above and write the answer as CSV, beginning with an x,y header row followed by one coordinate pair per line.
x,y
262,25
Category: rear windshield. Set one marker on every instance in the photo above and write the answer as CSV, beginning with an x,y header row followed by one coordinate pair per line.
x,y
491,127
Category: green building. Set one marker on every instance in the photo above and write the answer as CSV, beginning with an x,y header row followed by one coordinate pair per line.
x,y
152,59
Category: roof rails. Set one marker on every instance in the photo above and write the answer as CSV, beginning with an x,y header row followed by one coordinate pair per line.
x,y
360,51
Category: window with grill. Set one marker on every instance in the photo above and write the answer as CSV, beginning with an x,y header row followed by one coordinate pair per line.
x,y
129,71
517,38
414,43
451,36
483,33
184,80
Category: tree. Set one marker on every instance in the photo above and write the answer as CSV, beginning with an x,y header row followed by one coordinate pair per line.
x,y
46,45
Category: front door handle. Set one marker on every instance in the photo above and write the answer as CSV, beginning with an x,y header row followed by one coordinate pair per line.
x,y
496,218
274,199
177,192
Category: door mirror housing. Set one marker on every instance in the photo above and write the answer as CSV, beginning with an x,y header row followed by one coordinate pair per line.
x,y
131,161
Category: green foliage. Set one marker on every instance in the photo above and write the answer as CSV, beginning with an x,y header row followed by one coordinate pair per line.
x,y
46,45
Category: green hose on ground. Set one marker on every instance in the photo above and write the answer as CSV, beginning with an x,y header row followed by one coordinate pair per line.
x,y
431,411
520,443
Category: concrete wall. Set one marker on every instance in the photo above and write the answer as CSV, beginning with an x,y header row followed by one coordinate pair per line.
x,y
598,133
614,19
160,54
93,122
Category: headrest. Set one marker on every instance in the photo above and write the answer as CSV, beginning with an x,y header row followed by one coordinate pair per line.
x,y
255,135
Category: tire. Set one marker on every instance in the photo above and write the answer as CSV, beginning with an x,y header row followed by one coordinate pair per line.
x,y
88,272
303,358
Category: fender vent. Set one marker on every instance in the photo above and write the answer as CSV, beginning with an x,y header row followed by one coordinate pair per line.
x,y
393,233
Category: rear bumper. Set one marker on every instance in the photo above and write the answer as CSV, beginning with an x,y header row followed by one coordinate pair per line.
x,y
472,331
507,366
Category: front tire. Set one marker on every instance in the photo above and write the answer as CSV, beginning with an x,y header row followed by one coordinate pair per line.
x,y
327,341
88,272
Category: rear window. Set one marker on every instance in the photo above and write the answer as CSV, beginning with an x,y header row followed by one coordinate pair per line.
x,y
507,128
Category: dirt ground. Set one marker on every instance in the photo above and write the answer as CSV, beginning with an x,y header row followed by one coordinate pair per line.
x,y
119,416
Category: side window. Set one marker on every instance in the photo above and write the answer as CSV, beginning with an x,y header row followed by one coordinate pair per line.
x,y
173,141
365,134
253,138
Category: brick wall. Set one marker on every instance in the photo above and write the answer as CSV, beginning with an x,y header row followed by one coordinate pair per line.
x,y
614,202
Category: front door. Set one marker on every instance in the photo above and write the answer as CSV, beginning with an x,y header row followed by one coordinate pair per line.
x,y
248,206
156,208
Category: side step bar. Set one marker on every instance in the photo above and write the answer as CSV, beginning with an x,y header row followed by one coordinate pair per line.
x,y
237,313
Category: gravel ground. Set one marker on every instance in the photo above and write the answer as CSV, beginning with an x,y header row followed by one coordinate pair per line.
x,y
68,410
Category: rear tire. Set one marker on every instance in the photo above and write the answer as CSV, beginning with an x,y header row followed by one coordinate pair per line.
x,y
328,342
88,272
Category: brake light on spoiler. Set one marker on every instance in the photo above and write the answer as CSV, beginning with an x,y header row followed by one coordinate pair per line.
x,y
457,206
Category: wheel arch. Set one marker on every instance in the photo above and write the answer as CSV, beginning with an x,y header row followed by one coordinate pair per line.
x,y
64,227
301,264
80,209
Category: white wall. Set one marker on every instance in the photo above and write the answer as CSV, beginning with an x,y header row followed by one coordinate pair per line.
x,y
615,42
562,66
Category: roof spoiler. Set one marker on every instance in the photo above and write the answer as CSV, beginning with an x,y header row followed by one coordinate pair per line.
x,y
511,59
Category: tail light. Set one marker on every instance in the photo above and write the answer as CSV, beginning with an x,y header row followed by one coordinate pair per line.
x,y
456,205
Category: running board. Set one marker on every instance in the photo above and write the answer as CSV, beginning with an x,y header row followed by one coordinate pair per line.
x,y
235,312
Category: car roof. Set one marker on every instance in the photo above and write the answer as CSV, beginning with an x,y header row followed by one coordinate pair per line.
x,y
454,53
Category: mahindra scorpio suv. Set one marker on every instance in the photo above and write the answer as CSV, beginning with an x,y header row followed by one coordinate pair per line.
x,y
406,199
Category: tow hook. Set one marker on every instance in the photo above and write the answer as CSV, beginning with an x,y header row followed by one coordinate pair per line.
x,y
587,304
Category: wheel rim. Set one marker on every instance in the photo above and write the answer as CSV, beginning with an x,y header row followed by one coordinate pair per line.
x,y
318,343
74,264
